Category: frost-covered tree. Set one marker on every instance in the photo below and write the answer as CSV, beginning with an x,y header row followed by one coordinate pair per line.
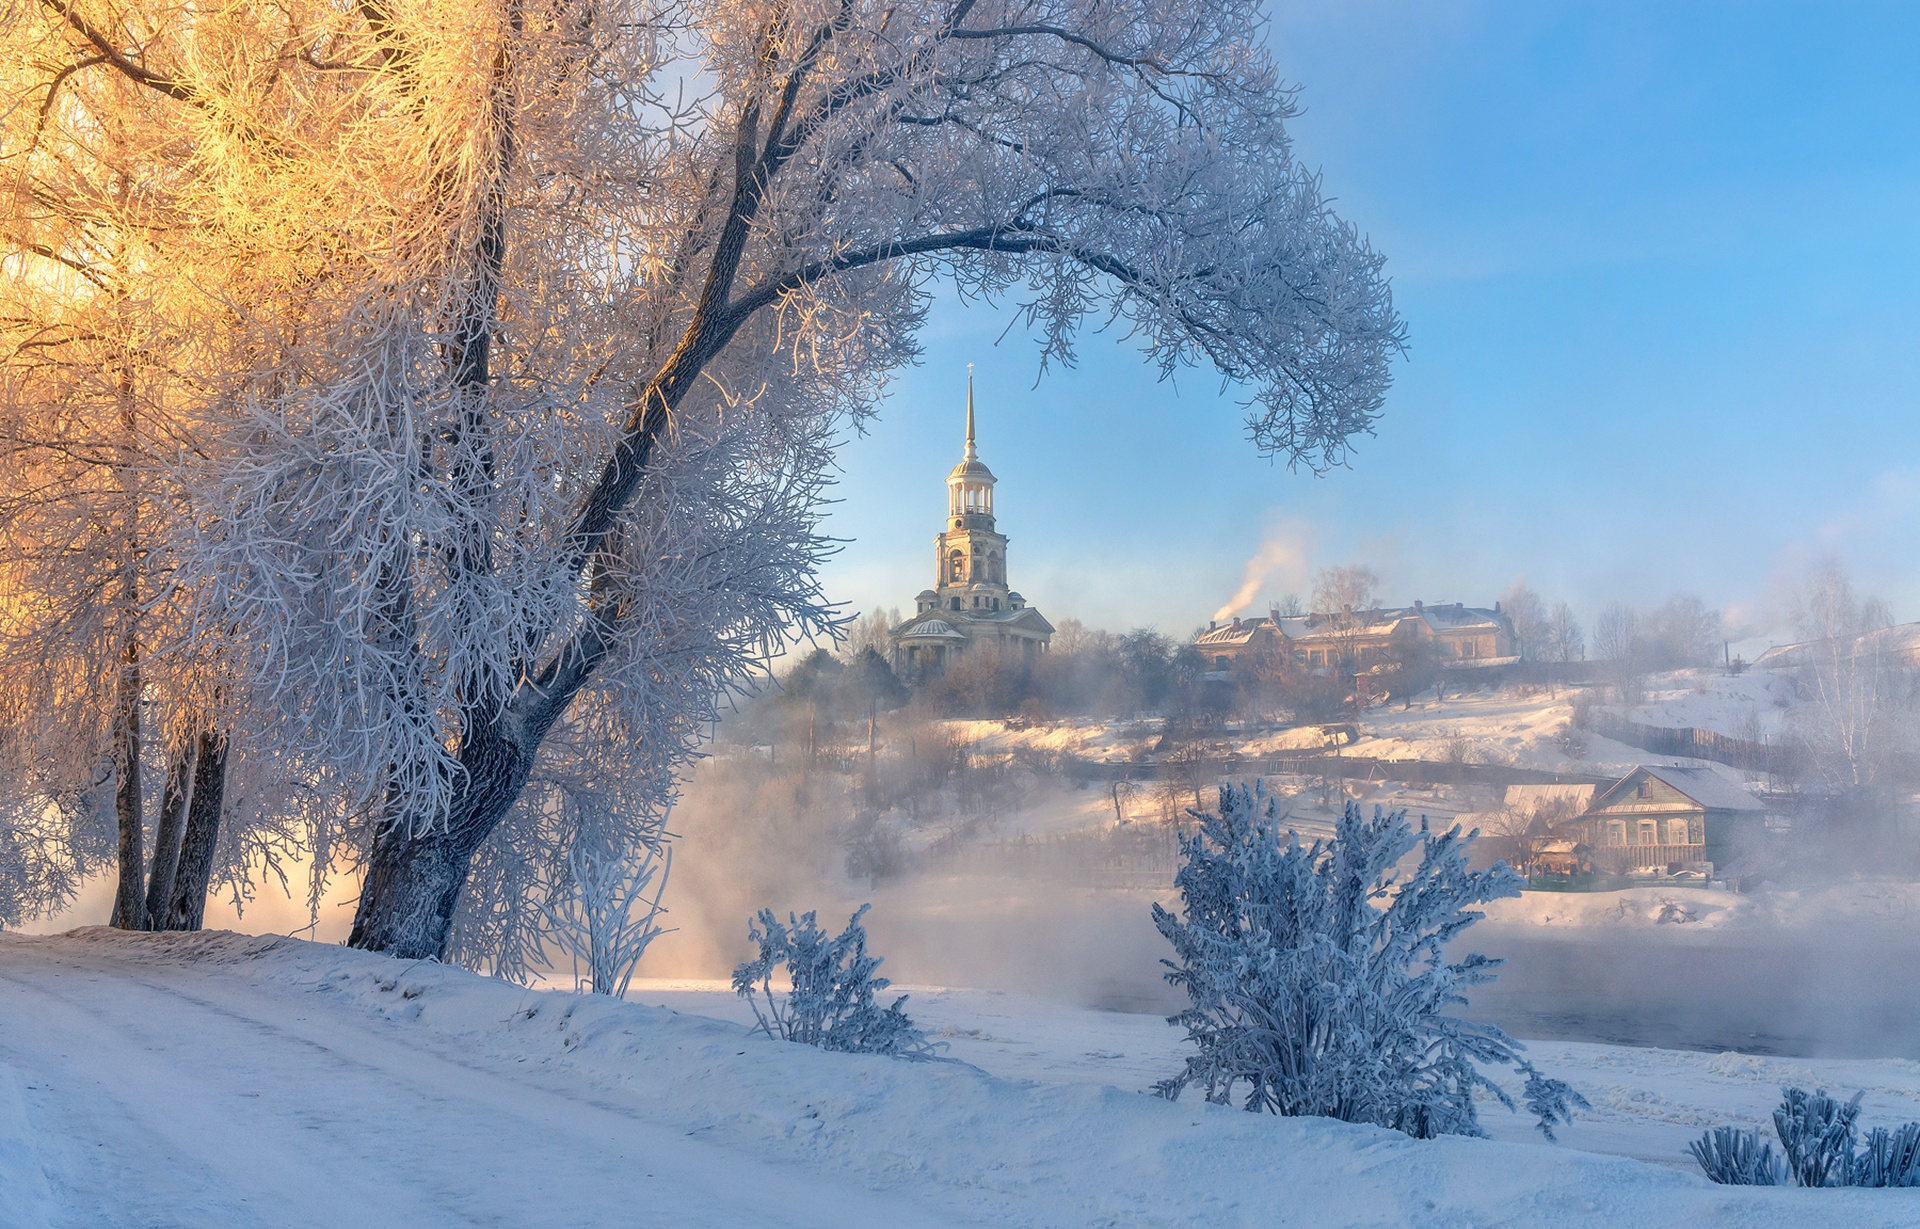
x,y
608,911
537,326
1682,631
830,997
98,359
1318,975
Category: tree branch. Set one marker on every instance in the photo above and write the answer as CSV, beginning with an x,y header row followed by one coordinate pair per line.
x,y
109,54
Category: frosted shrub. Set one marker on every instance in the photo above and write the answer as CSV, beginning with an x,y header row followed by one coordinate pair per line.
x,y
1318,976
1820,1145
606,913
1739,1158
830,1001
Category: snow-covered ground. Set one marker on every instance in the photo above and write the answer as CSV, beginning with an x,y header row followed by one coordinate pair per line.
x,y
222,1080
1508,725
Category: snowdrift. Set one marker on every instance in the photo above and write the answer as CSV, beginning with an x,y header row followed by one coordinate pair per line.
x,y
962,1146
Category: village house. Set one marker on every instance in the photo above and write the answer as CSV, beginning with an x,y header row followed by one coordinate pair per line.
x,y
1664,820
970,604
1457,636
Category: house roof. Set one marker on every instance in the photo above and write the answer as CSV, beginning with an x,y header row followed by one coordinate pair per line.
x,y
1580,796
1900,642
1703,785
1239,632
1374,621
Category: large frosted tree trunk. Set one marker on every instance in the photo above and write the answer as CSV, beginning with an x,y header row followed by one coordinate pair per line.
x,y
188,901
419,866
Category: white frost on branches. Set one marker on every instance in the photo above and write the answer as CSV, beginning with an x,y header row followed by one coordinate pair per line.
x,y
520,339
830,999
1318,974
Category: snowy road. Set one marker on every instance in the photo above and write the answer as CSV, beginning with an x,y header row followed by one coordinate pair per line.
x,y
157,1104
229,1080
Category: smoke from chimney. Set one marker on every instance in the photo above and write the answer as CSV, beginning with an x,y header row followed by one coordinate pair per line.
x,y
1282,549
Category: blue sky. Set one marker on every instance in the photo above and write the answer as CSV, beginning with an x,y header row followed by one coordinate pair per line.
x,y
1660,266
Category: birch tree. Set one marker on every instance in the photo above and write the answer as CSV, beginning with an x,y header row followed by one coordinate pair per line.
x,y
539,323
86,382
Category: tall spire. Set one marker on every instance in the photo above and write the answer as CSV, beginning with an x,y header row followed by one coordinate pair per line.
x,y
971,454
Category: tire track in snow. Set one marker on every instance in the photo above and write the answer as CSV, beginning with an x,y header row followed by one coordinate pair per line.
x,y
272,1123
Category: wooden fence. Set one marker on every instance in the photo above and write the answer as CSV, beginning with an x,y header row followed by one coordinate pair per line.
x,y
1694,743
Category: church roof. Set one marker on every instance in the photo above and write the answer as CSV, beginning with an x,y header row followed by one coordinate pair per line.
x,y
934,629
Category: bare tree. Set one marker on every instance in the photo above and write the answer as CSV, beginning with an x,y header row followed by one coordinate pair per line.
x,y
1528,614
872,632
1562,639
1620,643
1847,677
1682,632
1339,590
559,355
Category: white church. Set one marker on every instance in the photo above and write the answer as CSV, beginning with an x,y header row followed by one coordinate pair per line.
x,y
969,605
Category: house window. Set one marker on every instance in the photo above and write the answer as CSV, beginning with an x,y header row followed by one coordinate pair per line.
x,y
1616,832
1649,832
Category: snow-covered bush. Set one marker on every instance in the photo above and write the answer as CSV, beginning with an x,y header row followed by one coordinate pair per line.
x,y
1739,1158
1819,1140
1817,1133
607,912
830,999
1318,975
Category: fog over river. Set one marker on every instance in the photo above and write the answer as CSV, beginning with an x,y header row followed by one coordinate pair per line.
x,y
1838,989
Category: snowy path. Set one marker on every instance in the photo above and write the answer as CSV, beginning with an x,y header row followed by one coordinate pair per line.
x,y
226,1080
161,1105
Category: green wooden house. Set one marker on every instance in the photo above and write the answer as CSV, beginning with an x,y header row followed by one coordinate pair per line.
x,y
1661,820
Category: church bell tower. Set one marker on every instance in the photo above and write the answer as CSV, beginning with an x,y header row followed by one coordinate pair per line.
x,y
971,556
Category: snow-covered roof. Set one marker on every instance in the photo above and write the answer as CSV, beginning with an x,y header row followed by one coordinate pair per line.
x,y
1707,786
1373,621
1533,795
1240,631
933,629
1901,642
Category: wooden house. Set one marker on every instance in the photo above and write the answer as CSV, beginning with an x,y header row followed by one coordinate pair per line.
x,y
1667,820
